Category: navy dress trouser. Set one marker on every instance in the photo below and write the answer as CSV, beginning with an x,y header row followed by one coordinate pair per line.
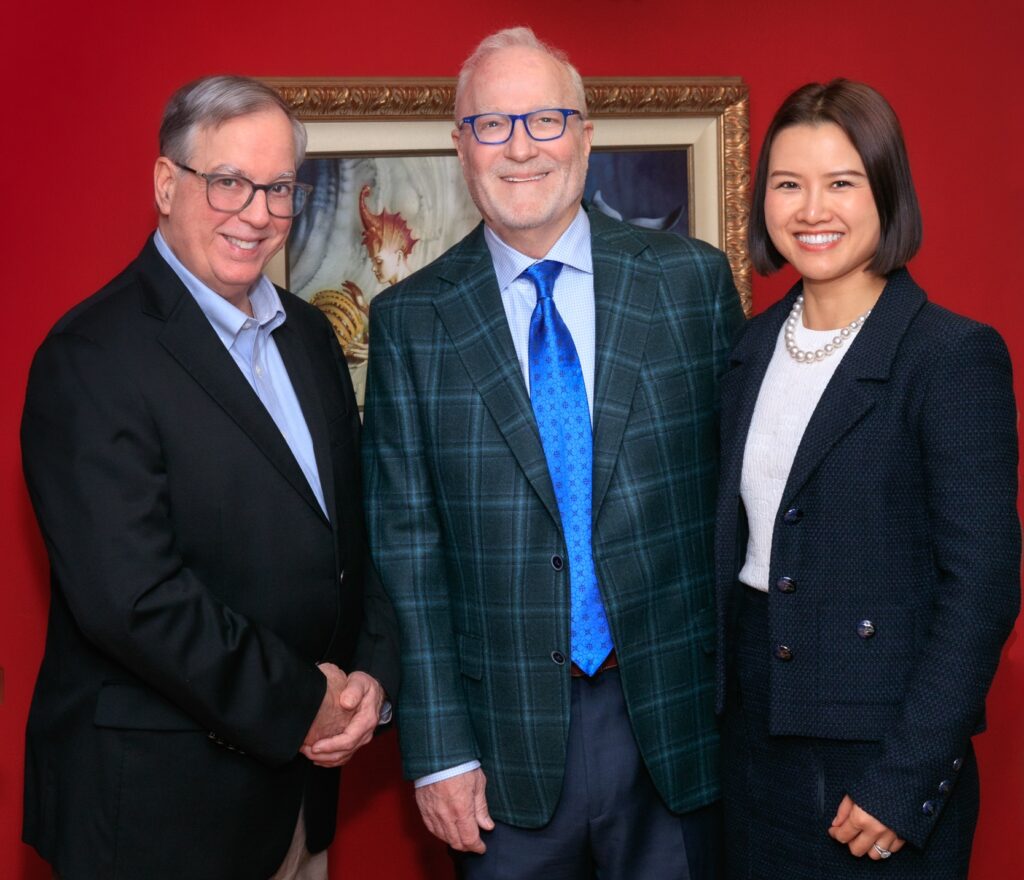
x,y
610,822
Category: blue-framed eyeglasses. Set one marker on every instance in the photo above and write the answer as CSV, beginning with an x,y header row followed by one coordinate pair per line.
x,y
498,128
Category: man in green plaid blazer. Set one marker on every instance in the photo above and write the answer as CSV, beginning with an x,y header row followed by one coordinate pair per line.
x,y
495,721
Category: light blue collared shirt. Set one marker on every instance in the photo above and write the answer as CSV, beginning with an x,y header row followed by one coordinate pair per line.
x,y
574,299
573,295
250,342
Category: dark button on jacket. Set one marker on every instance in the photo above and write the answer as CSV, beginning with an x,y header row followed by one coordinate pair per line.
x,y
785,585
865,629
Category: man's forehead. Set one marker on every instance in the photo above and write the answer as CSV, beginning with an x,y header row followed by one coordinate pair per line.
x,y
518,79
243,139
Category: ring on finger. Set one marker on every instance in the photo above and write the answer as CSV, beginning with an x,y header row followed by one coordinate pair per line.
x,y
883,853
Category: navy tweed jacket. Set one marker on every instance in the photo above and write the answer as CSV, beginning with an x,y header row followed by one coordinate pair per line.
x,y
900,509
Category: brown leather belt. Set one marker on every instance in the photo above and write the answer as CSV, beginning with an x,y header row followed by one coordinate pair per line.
x,y
610,662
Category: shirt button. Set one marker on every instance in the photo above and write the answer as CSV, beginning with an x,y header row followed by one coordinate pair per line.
x,y
865,629
928,808
793,516
945,786
556,562
558,657
785,585
783,653
958,763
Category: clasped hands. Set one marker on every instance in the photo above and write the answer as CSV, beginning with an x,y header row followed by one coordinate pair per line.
x,y
347,718
863,833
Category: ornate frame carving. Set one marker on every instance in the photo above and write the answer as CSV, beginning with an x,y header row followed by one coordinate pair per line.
x,y
722,102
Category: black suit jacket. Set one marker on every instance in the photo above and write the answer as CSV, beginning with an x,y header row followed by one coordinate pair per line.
x,y
899,510
195,585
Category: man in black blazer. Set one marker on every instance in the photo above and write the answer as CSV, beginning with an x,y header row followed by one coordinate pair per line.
x,y
190,445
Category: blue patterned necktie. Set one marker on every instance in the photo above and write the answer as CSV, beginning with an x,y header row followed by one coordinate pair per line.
x,y
559,400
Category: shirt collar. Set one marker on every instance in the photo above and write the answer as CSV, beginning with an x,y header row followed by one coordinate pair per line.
x,y
227,320
572,249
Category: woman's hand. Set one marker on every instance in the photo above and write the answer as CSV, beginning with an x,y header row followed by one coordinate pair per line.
x,y
862,832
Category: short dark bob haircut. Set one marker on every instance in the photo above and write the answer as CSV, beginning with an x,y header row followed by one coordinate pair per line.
x,y
872,127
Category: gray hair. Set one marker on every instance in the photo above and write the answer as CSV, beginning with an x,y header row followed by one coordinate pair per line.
x,y
212,101
512,38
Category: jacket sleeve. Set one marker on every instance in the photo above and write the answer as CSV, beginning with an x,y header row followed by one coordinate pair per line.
x,y
729,319
376,648
968,443
406,543
96,475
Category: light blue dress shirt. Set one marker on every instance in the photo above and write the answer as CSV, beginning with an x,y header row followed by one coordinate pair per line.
x,y
250,342
574,299
574,295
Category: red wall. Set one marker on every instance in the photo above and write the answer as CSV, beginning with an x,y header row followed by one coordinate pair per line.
x,y
84,94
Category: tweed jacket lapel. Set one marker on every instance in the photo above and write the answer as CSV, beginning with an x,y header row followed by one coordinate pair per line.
x,y
851,393
625,291
741,385
189,338
471,310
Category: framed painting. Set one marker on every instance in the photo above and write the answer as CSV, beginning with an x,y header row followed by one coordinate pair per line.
x,y
389,197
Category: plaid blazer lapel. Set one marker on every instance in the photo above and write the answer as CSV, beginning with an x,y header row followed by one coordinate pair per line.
x,y
471,310
625,290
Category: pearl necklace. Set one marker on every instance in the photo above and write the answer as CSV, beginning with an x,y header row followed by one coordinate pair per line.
x,y
811,357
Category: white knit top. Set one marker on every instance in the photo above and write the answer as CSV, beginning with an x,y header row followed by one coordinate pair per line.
x,y
787,399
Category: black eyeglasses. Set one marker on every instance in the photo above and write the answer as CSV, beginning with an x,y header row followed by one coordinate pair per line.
x,y
232,193
541,125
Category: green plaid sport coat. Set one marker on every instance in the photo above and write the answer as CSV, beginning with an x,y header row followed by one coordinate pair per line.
x,y
463,520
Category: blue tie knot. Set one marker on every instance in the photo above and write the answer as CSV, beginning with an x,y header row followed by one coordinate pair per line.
x,y
543,275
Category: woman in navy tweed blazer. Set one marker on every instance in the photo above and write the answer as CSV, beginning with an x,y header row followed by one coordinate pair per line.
x,y
868,545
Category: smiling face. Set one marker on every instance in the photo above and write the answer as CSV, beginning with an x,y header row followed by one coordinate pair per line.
x,y
527,191
227,252
819,210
